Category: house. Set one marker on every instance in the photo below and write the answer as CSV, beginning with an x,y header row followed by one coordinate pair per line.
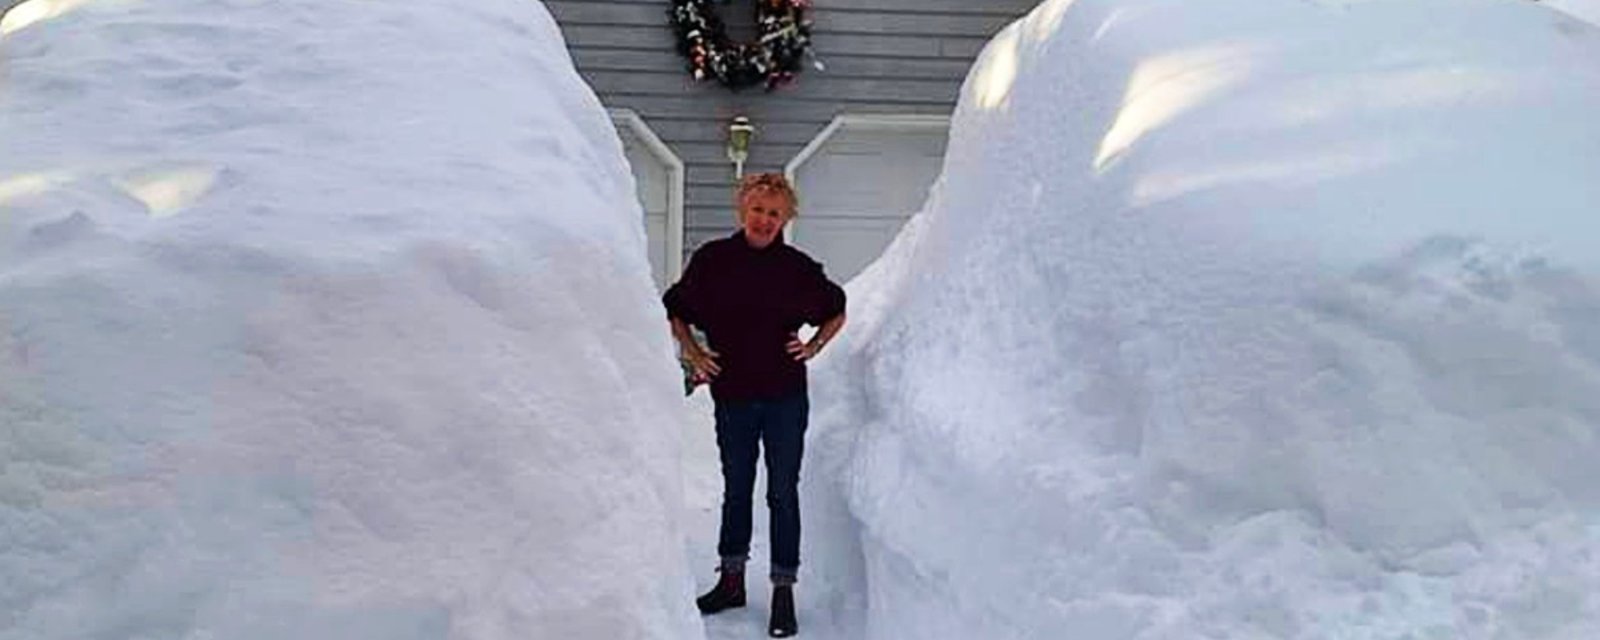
x,y
863,138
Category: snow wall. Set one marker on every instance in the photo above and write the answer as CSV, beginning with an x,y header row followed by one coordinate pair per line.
x,y
1588,10
325,320
1234,319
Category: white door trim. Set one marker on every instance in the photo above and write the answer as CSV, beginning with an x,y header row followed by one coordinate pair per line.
x,y
859,122
636,125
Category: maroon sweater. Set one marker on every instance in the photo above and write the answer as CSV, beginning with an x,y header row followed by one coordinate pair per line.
x,y
749,302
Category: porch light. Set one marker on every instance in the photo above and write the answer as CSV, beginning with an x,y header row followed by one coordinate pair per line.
x,y
740,132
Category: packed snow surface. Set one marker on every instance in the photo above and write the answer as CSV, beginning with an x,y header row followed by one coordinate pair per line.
x,y
1234,319
325,320
1588,10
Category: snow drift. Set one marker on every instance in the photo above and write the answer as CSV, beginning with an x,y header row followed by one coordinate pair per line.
x,y
325,320
1587,10
1235,319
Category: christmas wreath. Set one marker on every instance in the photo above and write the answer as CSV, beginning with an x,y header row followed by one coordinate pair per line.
x,y
783,41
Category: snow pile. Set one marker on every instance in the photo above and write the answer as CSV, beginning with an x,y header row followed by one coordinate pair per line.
x,y
1588,10
325,320
1235,319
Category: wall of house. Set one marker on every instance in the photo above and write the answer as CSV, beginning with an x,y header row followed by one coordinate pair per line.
x,y
882,57
6,5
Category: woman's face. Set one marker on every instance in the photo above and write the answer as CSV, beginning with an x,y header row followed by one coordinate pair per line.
x,y
763,214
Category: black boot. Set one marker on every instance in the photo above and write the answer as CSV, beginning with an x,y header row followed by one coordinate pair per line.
x,y
728,594
783,622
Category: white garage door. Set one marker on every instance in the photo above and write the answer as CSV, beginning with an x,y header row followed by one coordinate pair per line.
x,y
859,181
658,176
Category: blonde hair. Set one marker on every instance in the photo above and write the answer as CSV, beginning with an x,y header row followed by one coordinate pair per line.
x,y
770,182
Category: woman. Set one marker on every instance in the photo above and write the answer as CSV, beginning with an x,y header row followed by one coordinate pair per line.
x,y
750,293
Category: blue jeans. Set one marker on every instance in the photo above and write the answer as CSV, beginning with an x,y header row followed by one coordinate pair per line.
x,y
742,428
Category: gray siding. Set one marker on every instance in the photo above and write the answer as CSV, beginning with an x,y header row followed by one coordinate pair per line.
x,y
882,57
6,5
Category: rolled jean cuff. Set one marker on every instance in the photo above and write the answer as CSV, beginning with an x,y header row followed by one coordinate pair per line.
x,y
784,577
734,564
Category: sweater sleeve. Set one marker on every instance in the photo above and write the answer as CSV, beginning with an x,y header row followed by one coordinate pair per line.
x,y
823,299
685,299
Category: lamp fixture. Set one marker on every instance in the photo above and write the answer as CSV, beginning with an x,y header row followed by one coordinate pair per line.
x,y
740,132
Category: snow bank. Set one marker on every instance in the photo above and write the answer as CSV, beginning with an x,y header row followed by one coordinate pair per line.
x,y
1587,10
1235,319
325,320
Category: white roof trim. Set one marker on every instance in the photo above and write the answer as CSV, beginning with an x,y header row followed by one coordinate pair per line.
x,y
863,122
675,173
859,122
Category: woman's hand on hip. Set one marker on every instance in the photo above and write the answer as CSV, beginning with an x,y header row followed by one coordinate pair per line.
x,y
802,351
703,363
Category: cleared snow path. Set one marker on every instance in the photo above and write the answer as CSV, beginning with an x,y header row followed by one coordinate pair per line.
x,y
819,618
